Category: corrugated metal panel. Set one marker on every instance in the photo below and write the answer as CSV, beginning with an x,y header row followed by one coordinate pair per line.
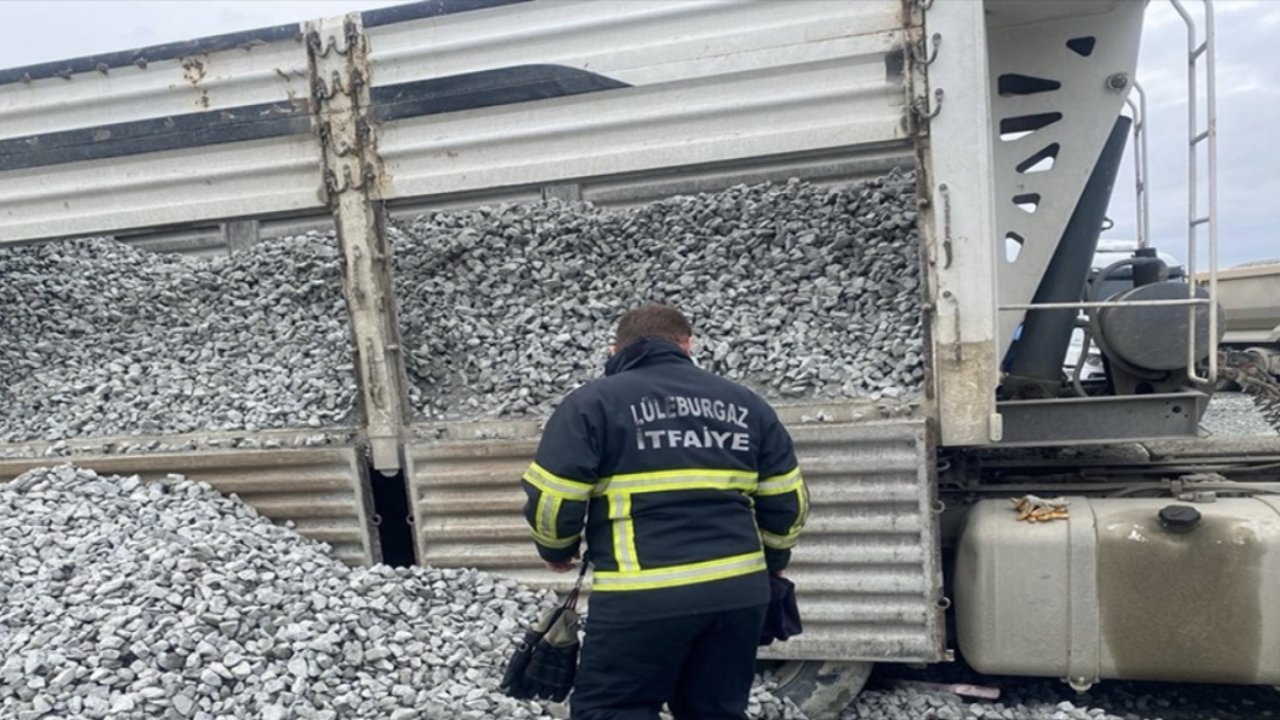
x,y
323,491
726,81
867,568
112,158
94,197
260,72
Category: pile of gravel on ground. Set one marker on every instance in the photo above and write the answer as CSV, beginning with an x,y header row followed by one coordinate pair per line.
x,y
1238,415
100,339
125,599
799,291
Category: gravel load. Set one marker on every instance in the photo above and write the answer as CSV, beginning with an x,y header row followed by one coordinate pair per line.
x,y
1239,415
799,291
126,599
100,339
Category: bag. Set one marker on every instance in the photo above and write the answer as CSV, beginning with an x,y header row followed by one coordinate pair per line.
x,y
782,620
546,658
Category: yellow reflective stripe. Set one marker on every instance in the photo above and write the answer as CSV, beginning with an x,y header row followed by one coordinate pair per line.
x,y
557,486
780,484
554,543
802,517
678,575
543,522
779,542
683,479
624,533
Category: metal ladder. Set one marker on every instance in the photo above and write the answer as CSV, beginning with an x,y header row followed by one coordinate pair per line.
x,y
1196,50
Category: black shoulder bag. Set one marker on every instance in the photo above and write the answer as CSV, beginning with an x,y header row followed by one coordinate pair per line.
x,y
546,658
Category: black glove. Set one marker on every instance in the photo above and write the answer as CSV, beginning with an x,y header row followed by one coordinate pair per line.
x,y
783,617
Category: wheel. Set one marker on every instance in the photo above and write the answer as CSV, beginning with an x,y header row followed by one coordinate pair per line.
x,y
821,689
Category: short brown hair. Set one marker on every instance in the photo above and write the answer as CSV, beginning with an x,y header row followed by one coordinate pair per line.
x,y
656,321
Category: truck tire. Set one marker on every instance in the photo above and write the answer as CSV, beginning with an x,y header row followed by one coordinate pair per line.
x,y
821,689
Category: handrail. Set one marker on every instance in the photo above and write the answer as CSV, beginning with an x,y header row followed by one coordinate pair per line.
x,y
1195,50
1142,205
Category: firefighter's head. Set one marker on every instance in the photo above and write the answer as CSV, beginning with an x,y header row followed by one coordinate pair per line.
x,y
653,321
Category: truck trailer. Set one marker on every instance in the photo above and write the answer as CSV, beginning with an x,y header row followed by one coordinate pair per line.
x,y
1005,514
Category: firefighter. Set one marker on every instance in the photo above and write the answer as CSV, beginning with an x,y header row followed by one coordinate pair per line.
x,y
687,490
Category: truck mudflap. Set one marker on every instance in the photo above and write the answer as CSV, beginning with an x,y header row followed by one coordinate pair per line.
x,y
867,568
1123,588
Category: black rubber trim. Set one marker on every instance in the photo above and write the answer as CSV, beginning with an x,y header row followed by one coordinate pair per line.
x,y
487,88
251,122
427,9
245,39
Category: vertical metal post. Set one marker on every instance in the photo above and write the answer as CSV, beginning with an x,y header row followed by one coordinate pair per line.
x,y
353,175
958,221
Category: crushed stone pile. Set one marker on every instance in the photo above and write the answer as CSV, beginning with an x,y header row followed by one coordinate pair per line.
x,y
102,339
800,291
1233,414
123,599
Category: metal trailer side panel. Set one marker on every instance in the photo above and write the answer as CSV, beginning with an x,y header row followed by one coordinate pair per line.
x,y
324,492
164,138
727,82
867,568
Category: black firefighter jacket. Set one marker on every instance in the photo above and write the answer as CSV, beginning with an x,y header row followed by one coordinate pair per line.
x,y
686,485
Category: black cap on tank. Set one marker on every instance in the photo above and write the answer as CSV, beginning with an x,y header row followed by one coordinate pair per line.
x,y
1179,518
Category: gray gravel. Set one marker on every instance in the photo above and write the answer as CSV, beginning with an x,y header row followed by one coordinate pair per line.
x,y
1233,414
167,600
799,291
125,599
103,339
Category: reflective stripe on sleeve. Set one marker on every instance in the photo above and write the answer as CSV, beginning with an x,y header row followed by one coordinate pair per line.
x,y
779,542
802,517
678,575
557,486
544,516
780,484
552,542
668,480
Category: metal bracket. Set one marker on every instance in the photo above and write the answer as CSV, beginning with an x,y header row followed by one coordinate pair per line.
x,y
920,52
920,107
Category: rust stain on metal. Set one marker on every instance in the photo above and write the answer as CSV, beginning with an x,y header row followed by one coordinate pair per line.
x,y
194,71
1177,607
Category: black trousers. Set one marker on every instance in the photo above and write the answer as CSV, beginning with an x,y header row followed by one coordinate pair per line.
x,y
701,666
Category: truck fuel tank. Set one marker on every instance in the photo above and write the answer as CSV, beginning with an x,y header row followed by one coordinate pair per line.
x,y
1144,589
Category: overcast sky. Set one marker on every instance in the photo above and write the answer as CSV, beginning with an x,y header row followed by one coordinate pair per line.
x,y
1248,96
